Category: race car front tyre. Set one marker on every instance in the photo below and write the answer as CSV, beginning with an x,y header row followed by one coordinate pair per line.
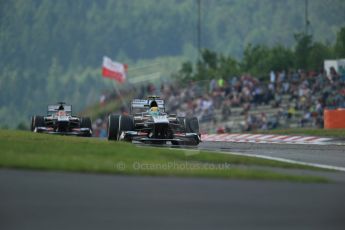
x,y
126,124
113,127
85,122
37,121
117,124
175,143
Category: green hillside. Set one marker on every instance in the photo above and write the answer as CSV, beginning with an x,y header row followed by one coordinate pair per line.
x,y
52,50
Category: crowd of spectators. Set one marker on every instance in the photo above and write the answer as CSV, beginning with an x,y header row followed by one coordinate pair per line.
x,y
306,95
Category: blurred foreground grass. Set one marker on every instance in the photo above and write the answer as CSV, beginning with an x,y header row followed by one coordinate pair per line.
x,y
26,150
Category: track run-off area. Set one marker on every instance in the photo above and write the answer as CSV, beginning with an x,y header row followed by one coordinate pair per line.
x,y
321,152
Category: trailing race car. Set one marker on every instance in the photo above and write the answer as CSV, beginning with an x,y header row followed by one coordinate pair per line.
x,y
59,120
149,123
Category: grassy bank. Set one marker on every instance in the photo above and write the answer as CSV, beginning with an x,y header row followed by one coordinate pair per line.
x,y
27,150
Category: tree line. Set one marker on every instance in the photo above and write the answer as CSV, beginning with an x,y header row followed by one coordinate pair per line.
x,y
260,59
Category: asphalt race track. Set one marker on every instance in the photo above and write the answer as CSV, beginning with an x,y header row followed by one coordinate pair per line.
x,y
52,200
333,155
47,200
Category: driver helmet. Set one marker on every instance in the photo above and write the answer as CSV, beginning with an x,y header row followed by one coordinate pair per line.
x,y
154,107
61,111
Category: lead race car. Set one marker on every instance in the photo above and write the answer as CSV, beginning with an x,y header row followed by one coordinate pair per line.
x,y
59,120
149,123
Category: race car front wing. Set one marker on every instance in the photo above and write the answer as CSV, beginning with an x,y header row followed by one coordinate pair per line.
x,y
73,132
142,137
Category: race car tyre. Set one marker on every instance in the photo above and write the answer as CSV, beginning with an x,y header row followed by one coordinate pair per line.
x,y
192,125
113,127
194,141
37,121
85,122
189,125
117,124
126,124
175,143
182,122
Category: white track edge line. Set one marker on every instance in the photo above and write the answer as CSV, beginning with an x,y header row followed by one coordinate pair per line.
x,y
332,167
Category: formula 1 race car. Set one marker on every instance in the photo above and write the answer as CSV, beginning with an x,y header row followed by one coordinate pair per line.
x,y
59,120
149,123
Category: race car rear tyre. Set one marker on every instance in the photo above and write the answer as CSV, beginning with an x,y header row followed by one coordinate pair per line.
x,y
113,127
194,141
192,125
182,122
37,121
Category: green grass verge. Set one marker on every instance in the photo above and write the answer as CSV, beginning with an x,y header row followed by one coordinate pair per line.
x,y
339,133
20,149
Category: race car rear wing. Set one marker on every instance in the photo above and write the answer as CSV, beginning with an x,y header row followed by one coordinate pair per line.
x,y
141,104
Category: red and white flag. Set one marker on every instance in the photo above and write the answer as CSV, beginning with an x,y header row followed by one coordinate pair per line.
x,y
114,70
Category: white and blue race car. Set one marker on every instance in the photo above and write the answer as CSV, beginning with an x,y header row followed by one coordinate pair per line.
x,y
59,120
149,123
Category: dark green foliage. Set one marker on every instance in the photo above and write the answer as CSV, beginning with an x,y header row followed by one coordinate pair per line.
x,y
22,126
186,71
210,66
339,47
254,58
302,49
259,60
228,66
317,54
